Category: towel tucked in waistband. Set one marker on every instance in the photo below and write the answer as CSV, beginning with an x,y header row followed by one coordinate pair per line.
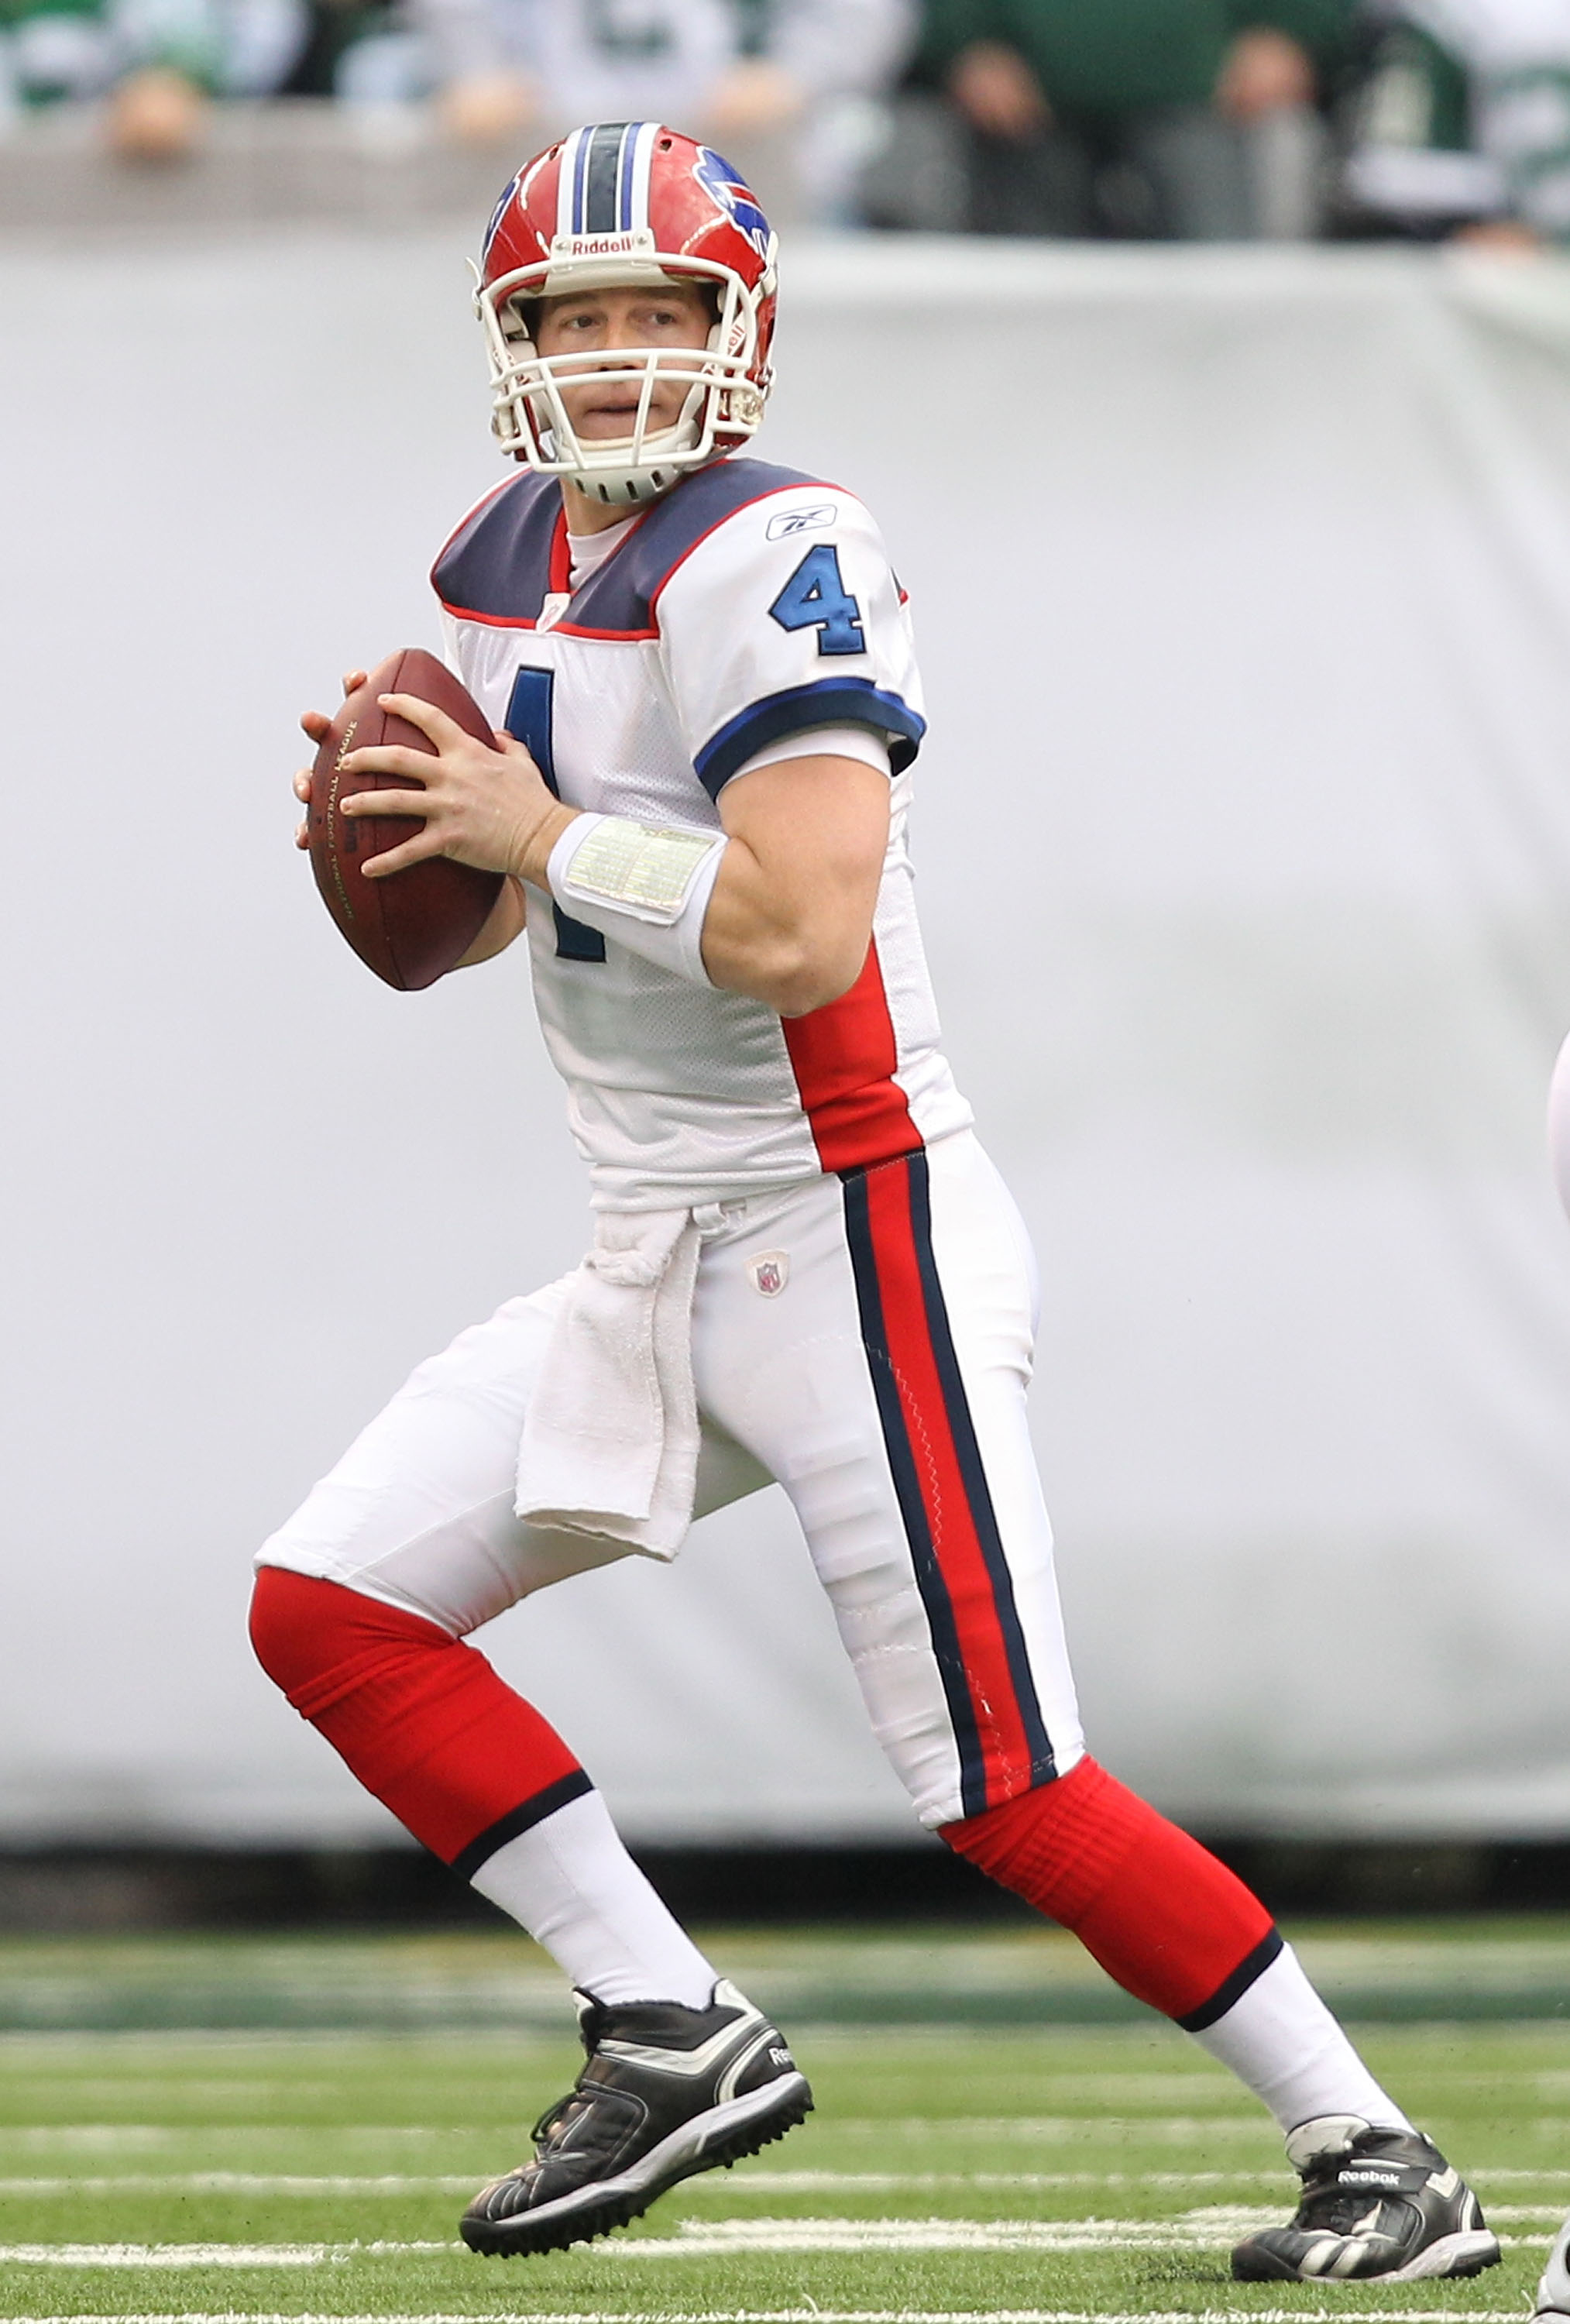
x,y
611,1442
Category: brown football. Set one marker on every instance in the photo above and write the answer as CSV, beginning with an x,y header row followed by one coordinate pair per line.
x,y
417,924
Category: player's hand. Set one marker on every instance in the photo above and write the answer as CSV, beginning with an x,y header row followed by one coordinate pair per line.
x,y
487,808
314,724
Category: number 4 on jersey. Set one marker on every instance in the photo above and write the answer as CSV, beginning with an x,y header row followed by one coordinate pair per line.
x,y
815,598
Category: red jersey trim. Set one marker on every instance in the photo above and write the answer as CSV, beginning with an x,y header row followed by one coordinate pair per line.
x,y
843,1057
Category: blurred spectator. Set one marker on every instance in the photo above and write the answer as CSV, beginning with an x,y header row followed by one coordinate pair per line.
x,y
1186,119
1460,122
158,62
810,70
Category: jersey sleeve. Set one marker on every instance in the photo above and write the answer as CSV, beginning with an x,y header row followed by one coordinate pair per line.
x,y
785,617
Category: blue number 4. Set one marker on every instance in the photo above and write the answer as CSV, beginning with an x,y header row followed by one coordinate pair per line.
x,y
815,598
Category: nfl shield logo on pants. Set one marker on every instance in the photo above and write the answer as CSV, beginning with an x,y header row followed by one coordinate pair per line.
x,y
770,1272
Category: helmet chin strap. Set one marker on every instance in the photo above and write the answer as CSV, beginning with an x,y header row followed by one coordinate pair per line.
x,y
630,486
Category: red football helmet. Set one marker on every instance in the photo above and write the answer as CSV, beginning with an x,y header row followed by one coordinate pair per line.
x,y
628,204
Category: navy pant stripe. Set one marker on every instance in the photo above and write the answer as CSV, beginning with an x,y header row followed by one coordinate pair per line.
x,y
929,1574
968,1452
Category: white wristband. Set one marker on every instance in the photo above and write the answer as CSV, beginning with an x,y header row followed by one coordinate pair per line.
x,y
643,886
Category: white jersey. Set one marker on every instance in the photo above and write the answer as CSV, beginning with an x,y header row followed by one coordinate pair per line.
x,y
750,605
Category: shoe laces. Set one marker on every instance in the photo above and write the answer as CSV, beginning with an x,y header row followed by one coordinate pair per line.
x,y
558,2116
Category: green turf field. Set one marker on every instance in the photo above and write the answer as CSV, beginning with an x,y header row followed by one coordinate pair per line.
x,y
970,2157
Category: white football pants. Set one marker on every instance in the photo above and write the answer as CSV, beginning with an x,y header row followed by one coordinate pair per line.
x,y
867,1341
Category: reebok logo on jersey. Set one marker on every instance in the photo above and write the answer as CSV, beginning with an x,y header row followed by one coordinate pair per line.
x,y
790,522
770,1271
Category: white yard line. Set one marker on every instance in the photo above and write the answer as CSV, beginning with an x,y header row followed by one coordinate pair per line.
x,y
732,2237
1335,2315
123,2255
726,2186
241,2182
1208,2230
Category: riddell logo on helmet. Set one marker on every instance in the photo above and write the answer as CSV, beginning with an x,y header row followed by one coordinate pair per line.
x,y
638,245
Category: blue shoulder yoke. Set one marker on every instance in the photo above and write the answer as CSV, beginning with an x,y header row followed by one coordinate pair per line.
x,y
497,564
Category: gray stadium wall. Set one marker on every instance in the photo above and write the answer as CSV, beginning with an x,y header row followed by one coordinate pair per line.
x,y
1243,587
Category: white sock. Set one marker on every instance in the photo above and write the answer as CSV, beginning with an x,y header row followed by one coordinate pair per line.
x,y
572,1884
1553,2291
1279,2039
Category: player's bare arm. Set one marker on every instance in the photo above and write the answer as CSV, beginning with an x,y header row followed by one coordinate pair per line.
x,y
791,915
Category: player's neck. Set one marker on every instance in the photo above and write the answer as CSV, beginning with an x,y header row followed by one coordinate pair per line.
x,y
584,515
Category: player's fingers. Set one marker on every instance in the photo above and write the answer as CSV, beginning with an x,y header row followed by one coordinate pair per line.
x,y
375,803
389,759
302,784
511,747
399,859
302,834
314,722
353,681
443,731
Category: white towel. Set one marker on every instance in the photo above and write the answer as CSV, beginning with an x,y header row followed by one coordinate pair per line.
x,y
611,1440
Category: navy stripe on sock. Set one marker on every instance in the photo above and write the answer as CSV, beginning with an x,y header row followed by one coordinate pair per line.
x,y
1231,1990
523,1818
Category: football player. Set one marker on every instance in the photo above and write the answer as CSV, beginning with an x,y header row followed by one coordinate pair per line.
x,y
701,674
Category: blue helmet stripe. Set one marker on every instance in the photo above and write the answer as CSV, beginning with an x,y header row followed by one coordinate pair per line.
x,y
602,177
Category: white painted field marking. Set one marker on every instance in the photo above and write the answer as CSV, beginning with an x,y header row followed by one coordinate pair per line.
x,y
163,2254
1207,2231
241,2182
1336,2315
726,2186
1061,2129
121,2255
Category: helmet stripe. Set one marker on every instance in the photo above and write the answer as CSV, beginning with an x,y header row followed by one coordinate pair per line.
x,y
640,157
600,177
580,179
624,175
568,182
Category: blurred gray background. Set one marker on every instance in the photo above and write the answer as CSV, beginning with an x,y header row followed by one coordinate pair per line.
x,y
1242,581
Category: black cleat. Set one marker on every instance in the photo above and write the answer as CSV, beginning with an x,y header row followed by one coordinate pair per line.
x,y
1553,2306
667,2091
1380,2203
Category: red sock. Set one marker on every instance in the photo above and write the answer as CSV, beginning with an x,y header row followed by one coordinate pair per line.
x,y
420,1718
1172,1925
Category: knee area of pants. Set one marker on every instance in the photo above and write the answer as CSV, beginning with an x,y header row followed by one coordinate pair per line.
x,y
303,1630
285,1641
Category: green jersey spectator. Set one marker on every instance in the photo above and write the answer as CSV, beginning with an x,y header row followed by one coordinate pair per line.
x,y
1461,120
156,61
1131,115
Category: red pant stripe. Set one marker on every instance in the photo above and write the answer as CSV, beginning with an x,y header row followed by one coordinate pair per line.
x,y
950,1521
